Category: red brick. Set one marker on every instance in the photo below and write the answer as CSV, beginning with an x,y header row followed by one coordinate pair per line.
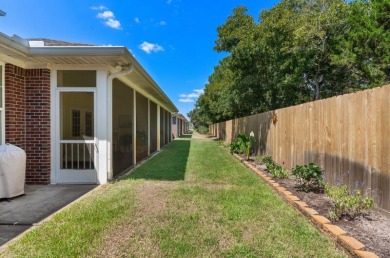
x,y
27,115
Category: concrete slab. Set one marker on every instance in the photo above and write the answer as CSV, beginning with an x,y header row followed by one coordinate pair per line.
x,y
20,213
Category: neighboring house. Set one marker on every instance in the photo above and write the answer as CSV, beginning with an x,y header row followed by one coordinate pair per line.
x,y
82,113
180,125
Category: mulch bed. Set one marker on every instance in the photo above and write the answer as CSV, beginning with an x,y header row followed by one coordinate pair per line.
x,y
372,229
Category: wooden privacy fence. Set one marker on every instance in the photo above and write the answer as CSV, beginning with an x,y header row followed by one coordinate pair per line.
x,y
348,136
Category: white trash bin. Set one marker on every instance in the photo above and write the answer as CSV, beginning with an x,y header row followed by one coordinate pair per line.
x,y
12,171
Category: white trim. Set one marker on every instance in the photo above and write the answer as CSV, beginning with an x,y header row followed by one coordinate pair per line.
x,y
100,117
53,126
148,127
67,176
77,67
134,127
158,128
2,109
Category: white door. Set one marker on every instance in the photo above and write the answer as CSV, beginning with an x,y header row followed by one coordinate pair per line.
x,y
76,136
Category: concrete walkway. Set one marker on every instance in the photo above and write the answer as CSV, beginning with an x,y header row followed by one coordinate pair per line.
x,y
20,213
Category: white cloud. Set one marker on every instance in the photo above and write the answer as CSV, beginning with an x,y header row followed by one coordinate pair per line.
x,y
150,47
191,97
102,7
115,24
162,23
106,15
199,92
187,100
136,19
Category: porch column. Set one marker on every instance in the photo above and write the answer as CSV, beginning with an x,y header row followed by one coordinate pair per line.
x,y
134,127
148,127
102,109
158,128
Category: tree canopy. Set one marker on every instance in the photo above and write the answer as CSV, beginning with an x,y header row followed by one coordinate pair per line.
x,y
298,51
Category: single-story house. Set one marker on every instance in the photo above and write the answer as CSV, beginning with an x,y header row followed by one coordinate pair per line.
x,y
83,113
180,125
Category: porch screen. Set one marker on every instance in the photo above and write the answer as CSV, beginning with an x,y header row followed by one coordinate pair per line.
x,y
153,127
162,127
122,126
1,106
142,127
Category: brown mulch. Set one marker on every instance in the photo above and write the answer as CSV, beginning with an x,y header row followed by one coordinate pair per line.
x,y
372,229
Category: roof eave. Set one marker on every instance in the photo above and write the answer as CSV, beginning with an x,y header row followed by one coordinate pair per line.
x,y
76,51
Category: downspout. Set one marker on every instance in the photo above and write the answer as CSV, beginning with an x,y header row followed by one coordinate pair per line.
x,y
110,78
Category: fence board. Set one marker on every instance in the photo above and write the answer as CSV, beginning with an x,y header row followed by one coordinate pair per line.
x,y
347,135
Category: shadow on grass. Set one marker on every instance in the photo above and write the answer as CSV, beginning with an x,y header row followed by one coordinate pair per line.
x,y
169,165
187,136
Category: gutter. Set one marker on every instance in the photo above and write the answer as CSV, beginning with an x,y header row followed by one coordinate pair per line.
x,y
110,77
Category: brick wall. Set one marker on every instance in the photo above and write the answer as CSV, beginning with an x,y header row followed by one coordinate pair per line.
x,y
27,100
15,108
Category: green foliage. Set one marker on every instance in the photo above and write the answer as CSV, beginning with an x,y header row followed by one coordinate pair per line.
x,y
203,129
308,177
274,169
268,161
277,171
299,51
242,145
258,159
345,204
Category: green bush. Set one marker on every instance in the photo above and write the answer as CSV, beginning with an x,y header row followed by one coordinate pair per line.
x,y
275,170
278,171
309,177
242,145
345,204
235,147
268,161
258,159
202,129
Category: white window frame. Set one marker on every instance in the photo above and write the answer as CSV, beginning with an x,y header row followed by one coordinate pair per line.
x,y
2,108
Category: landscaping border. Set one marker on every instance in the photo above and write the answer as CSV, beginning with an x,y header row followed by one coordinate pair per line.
x,y
333,232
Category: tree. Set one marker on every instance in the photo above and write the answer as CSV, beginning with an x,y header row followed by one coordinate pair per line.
x,y
299,51
365,47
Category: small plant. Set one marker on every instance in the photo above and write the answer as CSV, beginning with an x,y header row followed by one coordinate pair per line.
x,y
278,172
346,204
268,161
309,177
235,147
243,144
258,159
275,170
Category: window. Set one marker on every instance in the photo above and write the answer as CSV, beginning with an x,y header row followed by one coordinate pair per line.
x,y
76,123
174,120
88,123
2,112
76,78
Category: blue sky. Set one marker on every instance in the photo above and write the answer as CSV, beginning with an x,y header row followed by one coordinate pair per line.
x,y
172,39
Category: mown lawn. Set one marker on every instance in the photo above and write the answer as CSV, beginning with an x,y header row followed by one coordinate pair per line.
x,y
191,200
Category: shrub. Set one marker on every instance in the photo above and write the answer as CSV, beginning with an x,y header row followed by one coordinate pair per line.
x,y
278,171
275,170
235,147
309,177
345,204
243,144
268,161
203,129
258,159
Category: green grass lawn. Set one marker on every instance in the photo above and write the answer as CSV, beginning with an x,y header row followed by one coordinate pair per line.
x,y
191,200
